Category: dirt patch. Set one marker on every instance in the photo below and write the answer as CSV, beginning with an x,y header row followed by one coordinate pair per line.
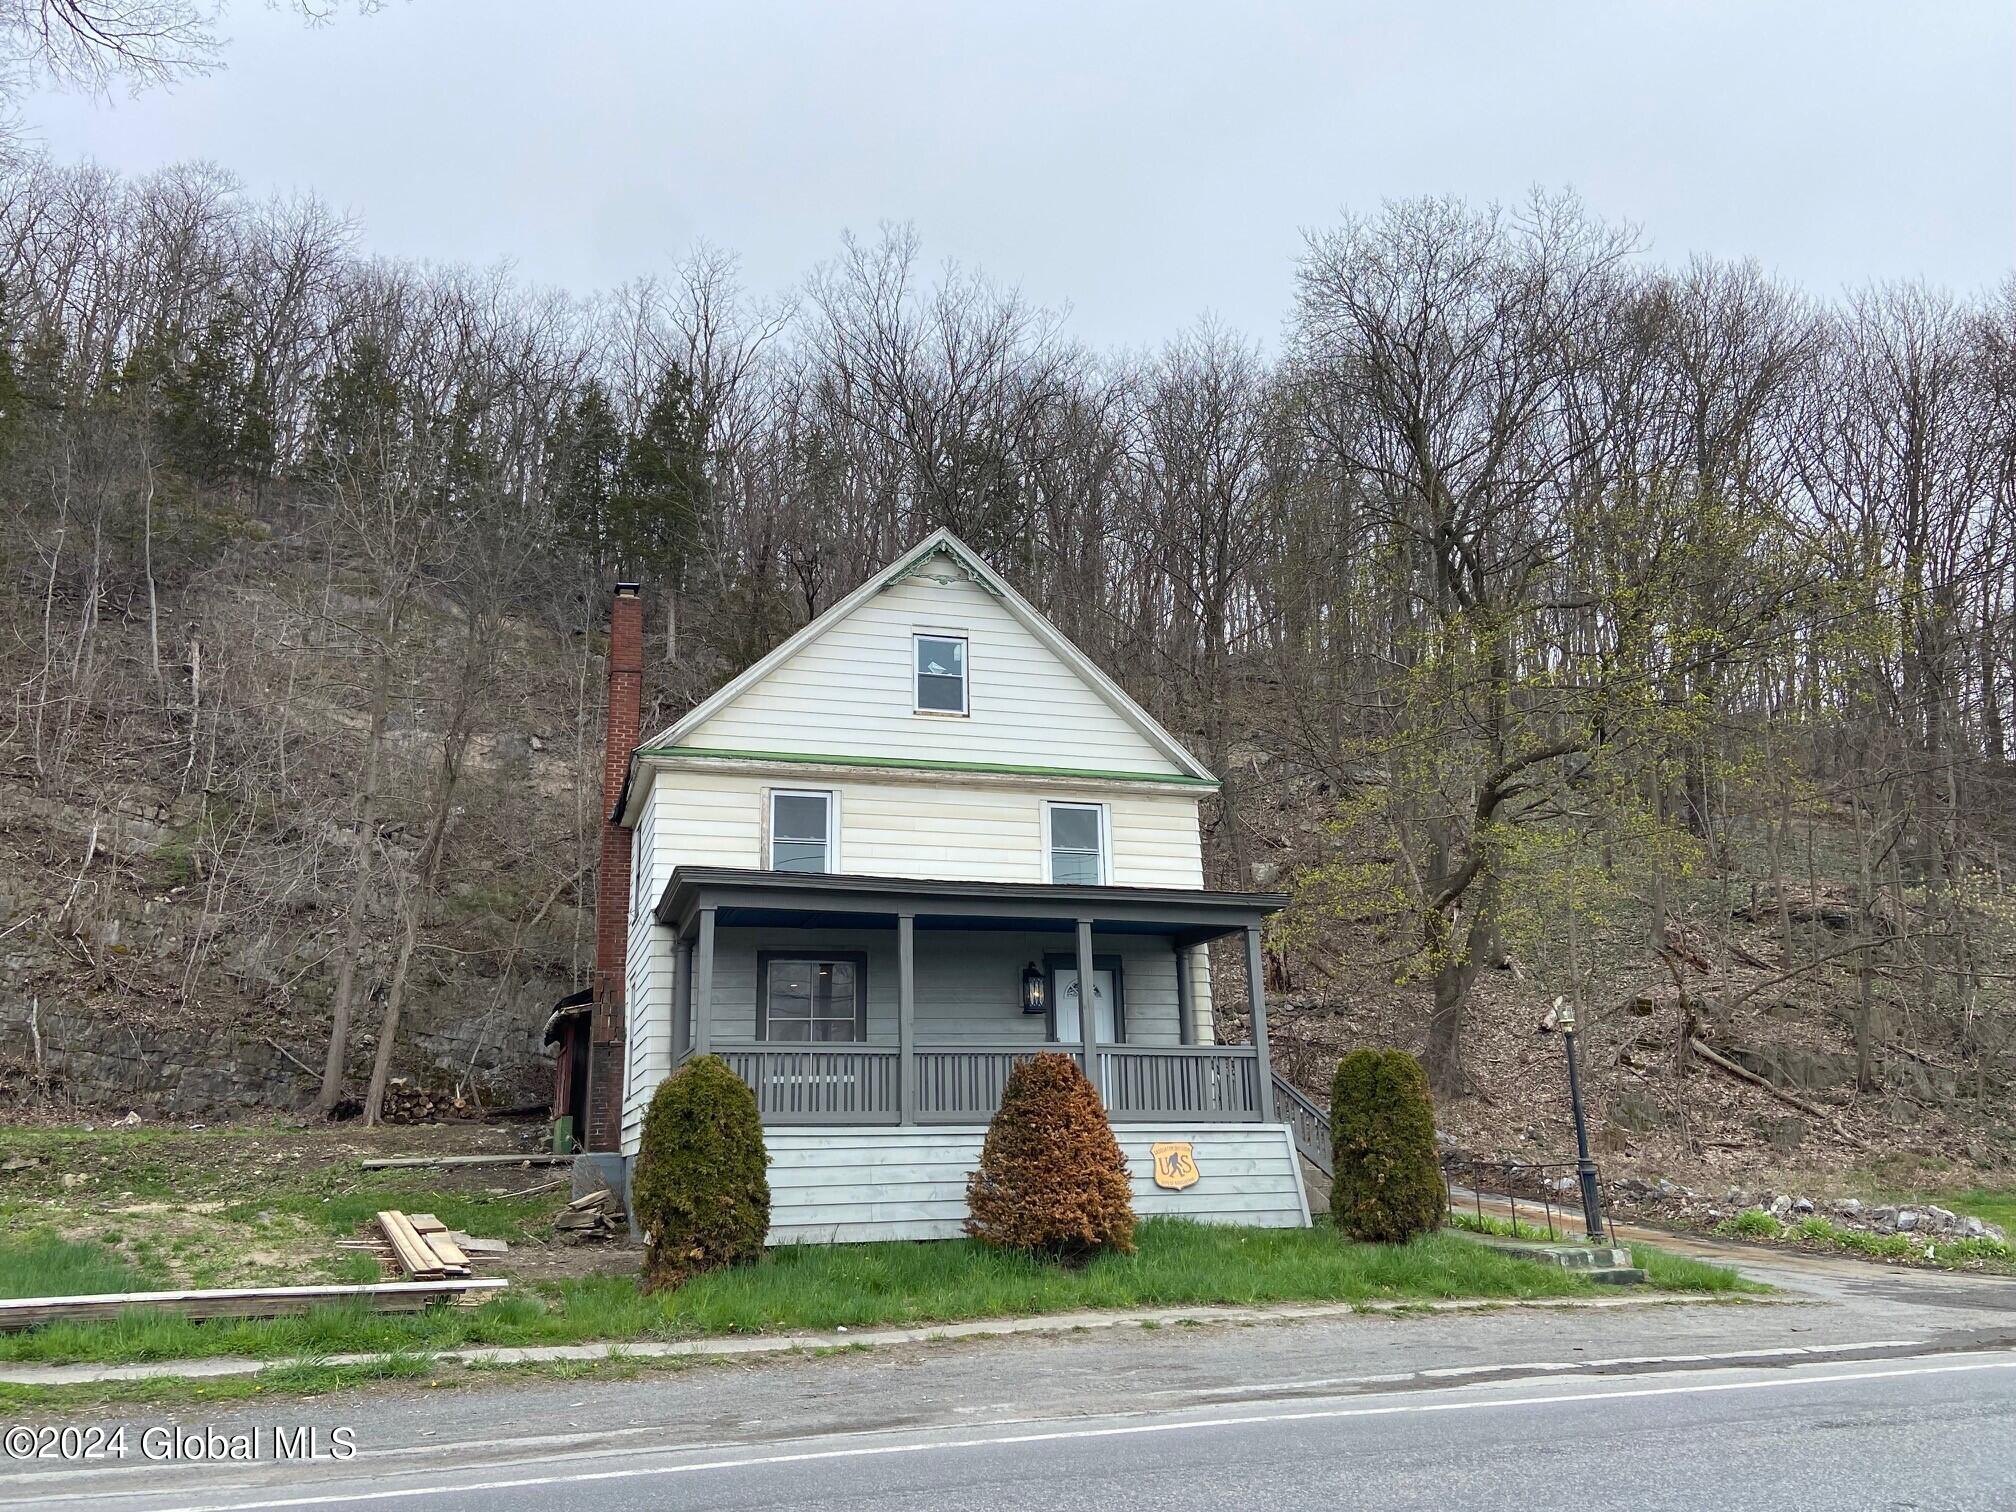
x,y
267,1204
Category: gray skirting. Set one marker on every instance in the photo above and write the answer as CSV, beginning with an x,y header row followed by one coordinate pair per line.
x,y
850,1185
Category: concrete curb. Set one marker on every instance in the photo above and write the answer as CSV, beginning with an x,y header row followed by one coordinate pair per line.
x,y
868,1338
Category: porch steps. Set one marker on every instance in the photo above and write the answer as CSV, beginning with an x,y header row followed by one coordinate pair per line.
x,y
1606,1264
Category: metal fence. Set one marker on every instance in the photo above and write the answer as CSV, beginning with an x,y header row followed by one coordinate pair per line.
x,y
1471,1181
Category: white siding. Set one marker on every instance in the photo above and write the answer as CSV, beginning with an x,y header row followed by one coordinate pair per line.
x,y
648,963
849,692
897,829
839,1186
939,831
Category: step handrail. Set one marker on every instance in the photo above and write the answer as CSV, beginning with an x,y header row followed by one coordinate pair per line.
x,y
1308,1121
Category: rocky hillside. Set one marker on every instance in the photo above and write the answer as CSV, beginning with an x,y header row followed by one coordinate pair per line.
x,y
1719,1053
176,879
170,928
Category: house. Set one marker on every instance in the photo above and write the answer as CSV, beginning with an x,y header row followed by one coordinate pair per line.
x,y
882,866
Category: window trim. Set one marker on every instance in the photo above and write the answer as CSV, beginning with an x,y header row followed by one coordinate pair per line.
x,y
858,959
1104,810
832,797
965,709
1053,961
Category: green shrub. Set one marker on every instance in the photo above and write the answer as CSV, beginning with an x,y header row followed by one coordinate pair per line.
x,y
1388,1188
1052,1181
700,1191
1754,1223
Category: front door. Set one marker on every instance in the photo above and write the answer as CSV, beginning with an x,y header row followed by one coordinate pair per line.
x,y
1105,1005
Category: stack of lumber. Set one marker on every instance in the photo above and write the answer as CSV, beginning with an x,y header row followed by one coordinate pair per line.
x,y
422,1245
412,1162
597,1216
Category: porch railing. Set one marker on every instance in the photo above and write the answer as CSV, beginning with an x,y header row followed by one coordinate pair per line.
x,y
1214,1083
964,1084
857,1084
1308,1121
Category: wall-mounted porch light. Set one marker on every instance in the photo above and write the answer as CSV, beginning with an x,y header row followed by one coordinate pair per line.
x,y
1032,990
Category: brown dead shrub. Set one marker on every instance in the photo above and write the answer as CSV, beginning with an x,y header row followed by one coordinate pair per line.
x,y
1052,1181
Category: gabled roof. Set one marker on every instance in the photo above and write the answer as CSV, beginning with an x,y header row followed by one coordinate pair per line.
x,y
970,563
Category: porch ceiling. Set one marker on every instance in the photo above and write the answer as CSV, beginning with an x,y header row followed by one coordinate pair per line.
x,y
810,899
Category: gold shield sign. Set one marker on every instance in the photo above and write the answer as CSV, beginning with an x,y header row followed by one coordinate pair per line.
x,y
1175,1164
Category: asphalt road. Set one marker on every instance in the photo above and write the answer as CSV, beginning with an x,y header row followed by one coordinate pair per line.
x,y
1918,1432
1858,1387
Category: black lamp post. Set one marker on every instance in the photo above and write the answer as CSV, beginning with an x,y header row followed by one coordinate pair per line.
x,y
1585,1168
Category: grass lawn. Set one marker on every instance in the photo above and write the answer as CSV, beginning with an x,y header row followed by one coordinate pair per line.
x,y
823,1287
37,1263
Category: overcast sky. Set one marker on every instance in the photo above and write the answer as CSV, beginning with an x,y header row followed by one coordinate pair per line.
x,y
1142,163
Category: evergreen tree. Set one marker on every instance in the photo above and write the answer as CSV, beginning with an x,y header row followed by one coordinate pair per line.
x,y
201,401
655,511
353,403
585,462
13,398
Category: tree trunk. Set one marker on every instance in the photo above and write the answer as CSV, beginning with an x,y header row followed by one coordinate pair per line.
x,y
395,1002
1453,980
360,888
454,741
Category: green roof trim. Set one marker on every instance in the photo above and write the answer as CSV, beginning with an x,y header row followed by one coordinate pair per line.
x,y
903,763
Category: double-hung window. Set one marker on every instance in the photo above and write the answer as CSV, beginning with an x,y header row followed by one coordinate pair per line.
x,y
940,665
819,999
802,837
1075,836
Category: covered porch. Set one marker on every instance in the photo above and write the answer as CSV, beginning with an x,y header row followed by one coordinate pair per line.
x,y
910,1001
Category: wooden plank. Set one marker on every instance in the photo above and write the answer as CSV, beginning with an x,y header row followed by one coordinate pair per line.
x,y
412,1162
447,1251
241,1302
426,1223
414,1255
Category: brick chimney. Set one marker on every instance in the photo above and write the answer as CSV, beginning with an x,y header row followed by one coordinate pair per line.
x,y
604,1125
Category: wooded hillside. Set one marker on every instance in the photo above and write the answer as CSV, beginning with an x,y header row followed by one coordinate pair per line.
x,y
1560,622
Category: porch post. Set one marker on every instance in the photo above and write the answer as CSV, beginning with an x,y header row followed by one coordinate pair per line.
x,y
1186,1007
703,984
1088,1019
682,998
906,1018
1256,994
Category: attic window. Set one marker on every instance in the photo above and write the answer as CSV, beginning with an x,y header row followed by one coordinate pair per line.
x,y
941,673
